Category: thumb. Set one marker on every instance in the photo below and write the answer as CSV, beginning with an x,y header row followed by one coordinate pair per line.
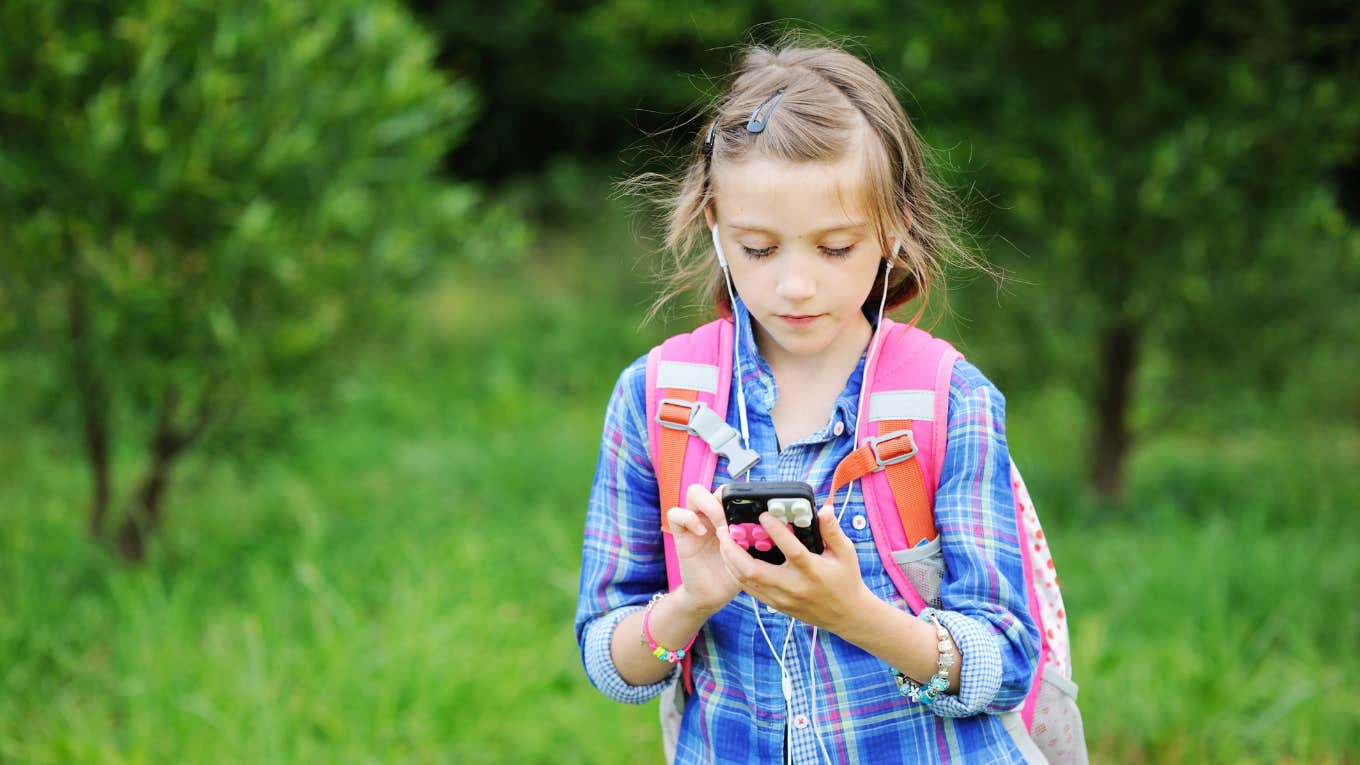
x,y
833,537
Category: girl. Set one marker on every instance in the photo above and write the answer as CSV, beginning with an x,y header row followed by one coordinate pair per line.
x,y
809,183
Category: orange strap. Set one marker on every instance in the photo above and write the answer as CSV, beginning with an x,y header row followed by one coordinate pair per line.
x,y
908,483
906,479
673,443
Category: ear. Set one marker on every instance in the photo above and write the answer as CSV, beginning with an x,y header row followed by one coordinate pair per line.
x,y
709,216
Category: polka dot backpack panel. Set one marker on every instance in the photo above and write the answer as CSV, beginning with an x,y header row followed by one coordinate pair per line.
x,y
1056,726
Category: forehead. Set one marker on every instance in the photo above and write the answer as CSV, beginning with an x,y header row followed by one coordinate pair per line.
x,y
792,199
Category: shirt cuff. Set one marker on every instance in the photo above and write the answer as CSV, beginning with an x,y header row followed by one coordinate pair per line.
x,y
979,672
599,661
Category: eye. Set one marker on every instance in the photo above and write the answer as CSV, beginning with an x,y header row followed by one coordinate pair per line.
x,y
838,252
754,253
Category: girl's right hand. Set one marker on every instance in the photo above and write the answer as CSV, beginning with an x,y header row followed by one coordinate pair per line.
x,y
707,581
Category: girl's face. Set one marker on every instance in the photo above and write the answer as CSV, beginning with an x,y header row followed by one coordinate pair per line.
x,y
801,251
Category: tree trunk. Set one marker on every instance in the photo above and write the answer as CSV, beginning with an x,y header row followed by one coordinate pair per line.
x,y
143,516
1118,360
91,399
145,510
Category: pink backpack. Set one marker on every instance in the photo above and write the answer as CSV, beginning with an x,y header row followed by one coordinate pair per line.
x,y
898,462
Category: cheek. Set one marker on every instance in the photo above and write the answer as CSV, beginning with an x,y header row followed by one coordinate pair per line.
x,y
747,274
750,270
867,276
738,272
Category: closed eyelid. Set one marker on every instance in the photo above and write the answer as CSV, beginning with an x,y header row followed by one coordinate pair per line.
x,y
830,253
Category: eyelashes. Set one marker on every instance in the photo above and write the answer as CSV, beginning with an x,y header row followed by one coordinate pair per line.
x,y
833,252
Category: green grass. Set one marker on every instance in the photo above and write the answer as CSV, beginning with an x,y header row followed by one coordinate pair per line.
x,y
397,583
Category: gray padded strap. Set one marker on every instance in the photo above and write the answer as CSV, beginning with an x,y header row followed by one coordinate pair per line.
x,y
902,405
682,374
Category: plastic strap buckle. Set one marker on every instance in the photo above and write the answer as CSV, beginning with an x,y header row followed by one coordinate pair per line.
x,y
878,457
705,423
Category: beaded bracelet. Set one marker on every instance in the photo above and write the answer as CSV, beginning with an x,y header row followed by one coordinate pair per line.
x,y
929,692
657,650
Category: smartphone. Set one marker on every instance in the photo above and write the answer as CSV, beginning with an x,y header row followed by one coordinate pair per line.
x,y
790,501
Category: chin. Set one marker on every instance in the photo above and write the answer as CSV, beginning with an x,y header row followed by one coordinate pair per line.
x,y
803,345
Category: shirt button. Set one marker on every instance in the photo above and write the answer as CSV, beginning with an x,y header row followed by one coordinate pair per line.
x,y
839,429
859,522
800,722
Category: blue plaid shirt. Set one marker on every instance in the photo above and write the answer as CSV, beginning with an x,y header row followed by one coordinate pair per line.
x,y
847,702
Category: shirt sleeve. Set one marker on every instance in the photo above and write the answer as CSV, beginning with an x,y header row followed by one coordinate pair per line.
x,y
622,559
985,603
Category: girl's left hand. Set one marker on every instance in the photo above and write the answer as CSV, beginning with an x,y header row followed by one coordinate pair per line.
x,y
825,590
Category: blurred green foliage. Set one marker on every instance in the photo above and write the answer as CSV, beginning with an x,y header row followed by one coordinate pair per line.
x,y
1170,168
228,189
201,203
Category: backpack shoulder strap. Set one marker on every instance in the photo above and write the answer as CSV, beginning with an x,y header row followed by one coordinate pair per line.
x,y
903,423
688,379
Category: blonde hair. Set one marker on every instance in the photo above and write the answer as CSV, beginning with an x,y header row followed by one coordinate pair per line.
x,y
829,96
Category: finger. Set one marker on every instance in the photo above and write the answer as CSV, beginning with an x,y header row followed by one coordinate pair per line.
x,y
704,502
833,536
727,545
681,518
744,568
783,537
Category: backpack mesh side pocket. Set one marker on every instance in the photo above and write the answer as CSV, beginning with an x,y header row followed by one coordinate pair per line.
x,y
924,567
1057,725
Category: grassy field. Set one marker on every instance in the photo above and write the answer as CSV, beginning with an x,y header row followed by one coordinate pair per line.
x,y
396,582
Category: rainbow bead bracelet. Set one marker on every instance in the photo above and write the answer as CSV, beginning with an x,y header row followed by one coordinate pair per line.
x,y
660,652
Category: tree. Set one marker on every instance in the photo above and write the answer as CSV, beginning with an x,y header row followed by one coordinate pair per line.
x,y
200,203
1168,171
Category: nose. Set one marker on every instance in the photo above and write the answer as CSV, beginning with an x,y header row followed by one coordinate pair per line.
x,y
797,280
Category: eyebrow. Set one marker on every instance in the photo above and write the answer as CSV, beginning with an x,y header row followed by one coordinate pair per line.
x,y
762,230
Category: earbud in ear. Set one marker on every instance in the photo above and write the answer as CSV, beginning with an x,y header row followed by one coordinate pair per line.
x,y
717,247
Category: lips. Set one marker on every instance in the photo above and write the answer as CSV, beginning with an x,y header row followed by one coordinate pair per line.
x,y
799,320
